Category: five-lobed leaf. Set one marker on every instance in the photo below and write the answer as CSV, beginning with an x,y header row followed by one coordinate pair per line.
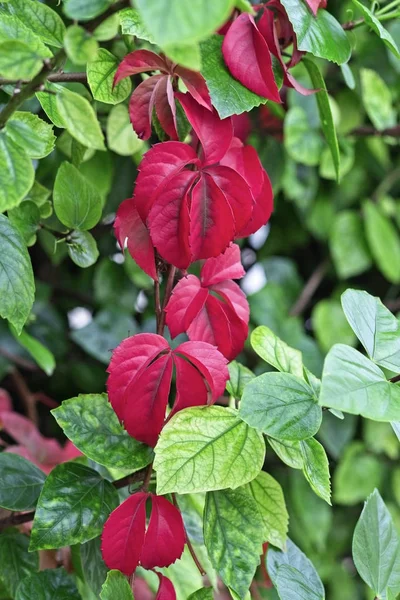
x,y
20,482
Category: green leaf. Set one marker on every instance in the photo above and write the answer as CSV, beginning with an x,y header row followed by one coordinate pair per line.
x,y
377,99
76,201
51,584
116,587
131,24
187,55
80,120
233,535
375,326
292,584
268,496
377,26
376,547
172,22
325,112
93,567
121,137
16,562
322,35
205,593
303,142
72,508
275,352
42,355
330,325
207,448
12,28
282,406
357,474
100,74
48,102
26,218
44,21
289,452
348,245
354,384
239,376
31,133
19,61
228,95
80,45
20,482
92,425
384,241
17,285
84,10
16,173
82,249
316,468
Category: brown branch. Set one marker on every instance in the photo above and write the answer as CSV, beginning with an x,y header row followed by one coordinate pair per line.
x,y
54,78
395,379
167,295
367,130
25,394
18,360
352,24
309,289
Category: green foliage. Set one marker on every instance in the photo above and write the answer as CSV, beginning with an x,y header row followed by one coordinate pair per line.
x,y
100,73
16,563
41,19
21,482
80,46
48,584
116,587
79,119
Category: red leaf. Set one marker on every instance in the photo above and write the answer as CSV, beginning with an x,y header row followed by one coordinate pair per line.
x,y
157,165
139,61
166,590
146,399
5,401
165,536
141,105
186,301
123,534
264,204
248,58
196,85
128,359
232,294
169,221
224,266
210,363
128,225
166,108
215,134
191,389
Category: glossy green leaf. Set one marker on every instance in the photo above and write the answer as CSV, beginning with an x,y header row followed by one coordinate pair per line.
x,y
348,245
233,535
275,352
205,593
121,137
228,95
82,248
41,355
354,384
377,99
303,142
16,563
116,587
268,496
16,173
384,241
80,45
239,376
93,567
376,547
282,406
375,326
17,286
72,508
51,584
377,27
322,35
42,19
12,28
20,482
131,24
100,74
77,203
26,218
316,468
80,120
330,325
207,448
92,425
356,475
83,10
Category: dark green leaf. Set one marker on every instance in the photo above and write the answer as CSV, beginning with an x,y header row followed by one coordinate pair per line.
x,y
76,201
51,584
26,218
16,562
384,241
292,584
16,173
303,142
40,18
20,482
93,566
42,355
116,587
205,593
100,74
82,248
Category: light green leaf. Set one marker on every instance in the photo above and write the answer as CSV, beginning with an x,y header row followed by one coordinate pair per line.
x,y
377,99
100,74
384,241
20,482
51,584
131,24
80,120
17,285
275,352
26,218
80,45
12,28
228,95
40,18
377,26
357,474
289,452
348,245
233,535
42,355
187,55
116,587
121,137
282,406
82,248
316,468
72,508
239,376
322,35
207,448
292,584
16,173
375,326
83,10
76,201
325,112
16,562
48,102
268,496
108,29
303,142
19,61
330,325
205,593
353,383
376,547
31,133
91,424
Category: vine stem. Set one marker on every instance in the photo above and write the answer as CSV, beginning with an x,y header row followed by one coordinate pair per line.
x,y
309,289
189,543
167,295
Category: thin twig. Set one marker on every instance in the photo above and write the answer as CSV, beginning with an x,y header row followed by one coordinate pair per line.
x,y
395,379
147,477
189,544
25,394
353,24
367,130
167,295
157,302
18,360
54,78
309,289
